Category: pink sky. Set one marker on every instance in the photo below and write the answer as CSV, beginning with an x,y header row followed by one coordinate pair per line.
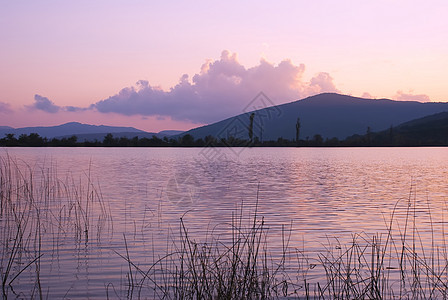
x,y
123,62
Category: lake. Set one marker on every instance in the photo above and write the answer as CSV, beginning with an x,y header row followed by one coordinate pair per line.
x,y
89,212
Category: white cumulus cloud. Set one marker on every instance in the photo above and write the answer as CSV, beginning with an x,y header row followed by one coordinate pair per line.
x,y
221,89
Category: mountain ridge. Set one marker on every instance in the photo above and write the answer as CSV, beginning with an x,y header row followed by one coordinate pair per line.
x,y
70,128
83,131
328,114
430,130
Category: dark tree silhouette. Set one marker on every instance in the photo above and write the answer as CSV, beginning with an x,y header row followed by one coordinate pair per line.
x,y
210,140
391,134
73,140
109,140
34,140
10,137
318,140
369,135
297,129
251,127
187,140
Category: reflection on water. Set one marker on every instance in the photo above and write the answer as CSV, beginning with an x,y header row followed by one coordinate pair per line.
x,y
323,196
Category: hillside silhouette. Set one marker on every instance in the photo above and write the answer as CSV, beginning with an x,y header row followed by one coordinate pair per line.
x,y
329,115
427,131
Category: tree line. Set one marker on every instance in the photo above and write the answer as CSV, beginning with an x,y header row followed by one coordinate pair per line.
x,y
430,136
187,140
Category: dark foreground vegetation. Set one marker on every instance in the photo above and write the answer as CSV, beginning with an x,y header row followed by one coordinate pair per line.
x,y
394,264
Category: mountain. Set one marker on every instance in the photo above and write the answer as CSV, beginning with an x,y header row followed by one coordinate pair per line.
x,y
437,122
91,137
169,132
68,129
85,132
429,131
330,115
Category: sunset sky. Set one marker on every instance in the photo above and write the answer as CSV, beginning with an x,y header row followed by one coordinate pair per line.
x,y
176,65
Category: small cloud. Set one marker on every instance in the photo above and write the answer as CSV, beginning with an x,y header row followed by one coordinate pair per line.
x,y
323,83
5,108
410,97
73,108
44,104
367,95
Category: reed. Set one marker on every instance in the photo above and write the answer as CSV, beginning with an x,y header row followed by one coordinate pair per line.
x,y
238,269
36,204
396,263
393,264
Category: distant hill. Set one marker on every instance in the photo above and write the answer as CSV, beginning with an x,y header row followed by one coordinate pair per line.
x,y
91,137
436,122
68,129
85,132
330,115
427,131
169,132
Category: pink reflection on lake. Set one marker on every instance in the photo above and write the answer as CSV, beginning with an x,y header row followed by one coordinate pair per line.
x,y
323,197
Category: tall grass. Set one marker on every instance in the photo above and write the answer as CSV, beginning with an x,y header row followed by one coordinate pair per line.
x,y
36,204
239,261
394,264
240,268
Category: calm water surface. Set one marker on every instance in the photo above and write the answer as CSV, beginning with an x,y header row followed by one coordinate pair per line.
x,y
322,196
